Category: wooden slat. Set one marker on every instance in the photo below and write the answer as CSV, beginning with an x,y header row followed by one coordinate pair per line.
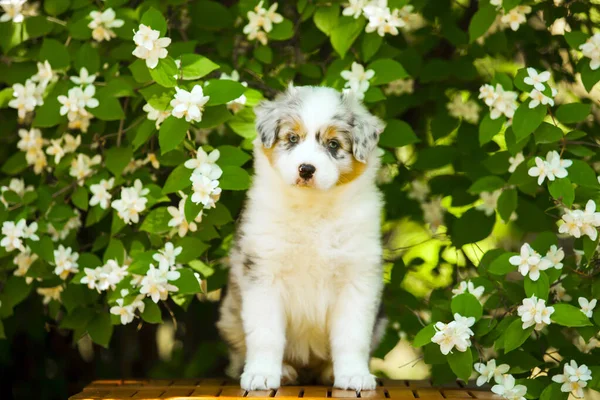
x,y
388,383
232,391
206,391
260,393
148,393
456,394
419,384
289,392
212,382
400,393
429,394
315,392
378,393
343,394
176,392
481,394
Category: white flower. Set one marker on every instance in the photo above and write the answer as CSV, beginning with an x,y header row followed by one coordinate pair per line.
x,y
533,311
561,293
26,98
412,20
205,189
399,87
13,235
156,115
81,167
506,388
91,277
516,17
586,347
572,223
149,46
357,79
16,185
189,104
467,110
23,261
381,19
587,306
489,371
108,276
418,190
536,79
515,162
131,203
101,24
490,201
577,222
538,98
591,50
433,213
45,75
553,167
468,287
354,8
529,262
555,255
29,232
13,10
178,220
260,22
125,312
574,378
84,77
456,334
156,283
488,94
50,294
55,149
166,257
65,261
100,193
205,164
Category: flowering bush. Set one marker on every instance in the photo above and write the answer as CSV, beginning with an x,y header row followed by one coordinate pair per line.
x,y
127,130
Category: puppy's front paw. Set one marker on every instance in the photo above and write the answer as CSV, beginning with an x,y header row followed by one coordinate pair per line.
x,y
356,382
259,381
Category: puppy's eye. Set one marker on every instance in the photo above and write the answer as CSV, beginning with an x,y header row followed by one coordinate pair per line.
x,y
333,144
293,138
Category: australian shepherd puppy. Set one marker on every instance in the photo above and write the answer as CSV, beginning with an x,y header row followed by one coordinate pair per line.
x,y
306,268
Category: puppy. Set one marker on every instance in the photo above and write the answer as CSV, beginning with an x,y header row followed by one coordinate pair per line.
x,y
306,268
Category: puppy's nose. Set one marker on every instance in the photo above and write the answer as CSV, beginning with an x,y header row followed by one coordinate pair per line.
x,y
306,171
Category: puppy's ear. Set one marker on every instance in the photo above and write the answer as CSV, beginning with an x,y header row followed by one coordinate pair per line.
x,y
267,122
366,127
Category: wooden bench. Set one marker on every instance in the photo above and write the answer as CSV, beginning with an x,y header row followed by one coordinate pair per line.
x,y
227,389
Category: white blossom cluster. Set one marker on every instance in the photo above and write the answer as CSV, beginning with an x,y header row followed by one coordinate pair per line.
x,y
581,222
78,100
205,177
587,306
150,46
357,79
131,203
574,378
189,104
31,94
155,284
489,371
591,50
102,23
468,287
62,146
104,277
381,18
24,260
466,110
537,80
17,186
261,21
500,101
49,294
236,104
101,193
553,167
14,233
534,312
178,221
529,261
65,262
454,335
81,167
126,313
72,223
489,202
508,389
515,17
399,87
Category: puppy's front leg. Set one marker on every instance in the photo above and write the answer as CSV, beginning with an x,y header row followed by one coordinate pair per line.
x,y
351,331
264,326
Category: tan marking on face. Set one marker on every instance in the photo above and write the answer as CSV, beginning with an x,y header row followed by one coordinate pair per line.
x,y
356,169
269,153
342,137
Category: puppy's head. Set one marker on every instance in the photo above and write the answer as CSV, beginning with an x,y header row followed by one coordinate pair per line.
x,y
317,137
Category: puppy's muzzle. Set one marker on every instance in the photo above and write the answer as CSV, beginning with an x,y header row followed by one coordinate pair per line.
x,y
306,171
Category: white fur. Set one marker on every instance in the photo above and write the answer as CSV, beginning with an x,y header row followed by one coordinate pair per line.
x,y
313,293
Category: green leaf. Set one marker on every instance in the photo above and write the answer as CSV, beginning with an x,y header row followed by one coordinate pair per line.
x,y
155,20
48,115
151,313
539,288
264,54
179,179
488,128
43,248
193,248
194,66
139,71
568,315
461,363
515,335
100,329
397,134
114,251
191,210
589,77
87,57
15,164
117,158
547,133
575,39
171,133
109,107
435,157
326,18
222,91
582,174
231,155
371,43
211,15
562,189
234,178
343,35
143,133
486,184
424,336
573,112
157,221
80,198
501,266
507,203
553,392
56,53
481,21
467,305
165,72
471,227
526,120
282,31
386,71
187,282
